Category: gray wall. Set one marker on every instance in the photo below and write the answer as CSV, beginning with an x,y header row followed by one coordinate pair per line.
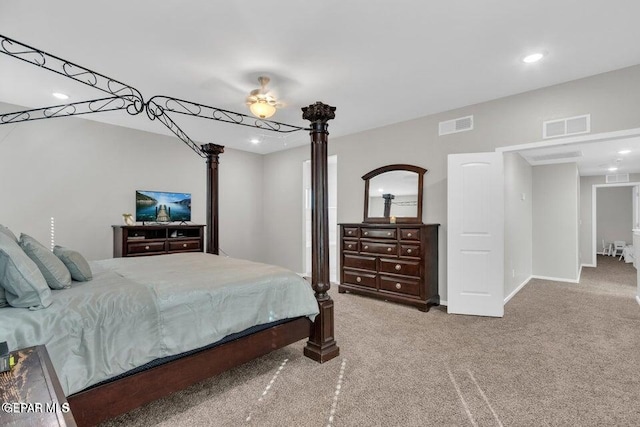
x,y
586,214
518,232
109,163
555,221
84,174
614,214
612,99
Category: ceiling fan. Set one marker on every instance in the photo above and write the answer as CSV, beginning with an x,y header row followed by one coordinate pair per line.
x,y
261,102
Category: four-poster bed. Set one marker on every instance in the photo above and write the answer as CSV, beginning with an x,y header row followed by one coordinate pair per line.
x,y
112,398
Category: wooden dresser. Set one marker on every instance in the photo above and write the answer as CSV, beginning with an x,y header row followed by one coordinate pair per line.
x,y
141,240
394,262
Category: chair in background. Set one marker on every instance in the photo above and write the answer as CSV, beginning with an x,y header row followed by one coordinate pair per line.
x,y
607,248
619,245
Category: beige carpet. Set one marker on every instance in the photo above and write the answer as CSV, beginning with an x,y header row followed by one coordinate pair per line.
x,y
564,354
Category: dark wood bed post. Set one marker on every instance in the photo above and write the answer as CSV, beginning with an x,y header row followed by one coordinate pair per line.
x,y
213,152
321,345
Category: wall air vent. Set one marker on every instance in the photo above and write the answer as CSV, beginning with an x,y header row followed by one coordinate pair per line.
x,y
557,156
619,177
567,126
462,124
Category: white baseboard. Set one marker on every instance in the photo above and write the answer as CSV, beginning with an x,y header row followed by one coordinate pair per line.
x,y
589,265
444,302
554,279
516,290
638,299
579,274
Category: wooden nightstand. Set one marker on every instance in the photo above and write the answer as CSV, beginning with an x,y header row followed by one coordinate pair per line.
x,y
33,382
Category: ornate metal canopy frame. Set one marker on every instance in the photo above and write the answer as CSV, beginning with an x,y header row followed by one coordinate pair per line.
x,y
122,97
159,106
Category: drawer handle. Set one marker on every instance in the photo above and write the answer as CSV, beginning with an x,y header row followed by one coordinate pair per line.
x,y
408,251
398,285
184,245
366,233
146,247
350,232
350,246
366,247
398,267
389,234
358,279
409,234
388,249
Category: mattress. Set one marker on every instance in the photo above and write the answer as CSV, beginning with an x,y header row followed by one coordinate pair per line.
x,y
136,310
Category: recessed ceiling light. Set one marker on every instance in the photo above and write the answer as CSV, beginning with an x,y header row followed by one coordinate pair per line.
x,y
255,141
613,169
380,190
534,57
624,151
60,95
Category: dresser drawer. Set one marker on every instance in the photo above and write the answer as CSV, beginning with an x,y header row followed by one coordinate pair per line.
x,y
378,233
410,234
350,245
357,278
363,262
403,286
379,248
408,268
184,245
350,232
410,250
145,247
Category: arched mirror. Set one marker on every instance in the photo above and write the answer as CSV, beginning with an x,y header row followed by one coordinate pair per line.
x,y
393,193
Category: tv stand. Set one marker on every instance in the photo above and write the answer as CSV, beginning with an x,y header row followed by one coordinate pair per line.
x,y
145,240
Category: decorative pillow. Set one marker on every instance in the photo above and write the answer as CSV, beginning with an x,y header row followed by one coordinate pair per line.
x,y
8,232
53,270
23,283
75,262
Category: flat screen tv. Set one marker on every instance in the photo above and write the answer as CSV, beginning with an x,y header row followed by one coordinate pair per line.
x,y
161,206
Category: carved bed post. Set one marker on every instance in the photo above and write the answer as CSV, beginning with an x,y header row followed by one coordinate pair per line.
x,y
321,345
213,152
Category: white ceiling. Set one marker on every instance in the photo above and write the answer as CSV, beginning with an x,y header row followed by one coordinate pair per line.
x,y
592,158
377,62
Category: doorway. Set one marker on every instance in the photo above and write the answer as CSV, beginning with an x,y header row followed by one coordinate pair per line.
x,y
614,210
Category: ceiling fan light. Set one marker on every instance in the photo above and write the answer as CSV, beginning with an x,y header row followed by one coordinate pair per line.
x,y
262,109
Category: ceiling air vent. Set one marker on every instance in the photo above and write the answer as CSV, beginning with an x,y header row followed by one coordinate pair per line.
x,y
557,156
619,177
568,126
456,125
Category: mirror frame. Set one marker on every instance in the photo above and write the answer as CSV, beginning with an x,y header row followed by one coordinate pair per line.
x,y
402,219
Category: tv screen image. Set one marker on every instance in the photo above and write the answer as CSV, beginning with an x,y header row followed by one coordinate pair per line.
x,y
162,206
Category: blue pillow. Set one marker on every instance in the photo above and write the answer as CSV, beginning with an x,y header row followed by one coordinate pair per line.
x,y
54,271
23,283
8,232
75,262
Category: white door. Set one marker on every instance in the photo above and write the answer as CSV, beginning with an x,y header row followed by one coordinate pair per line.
x,y
475,236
